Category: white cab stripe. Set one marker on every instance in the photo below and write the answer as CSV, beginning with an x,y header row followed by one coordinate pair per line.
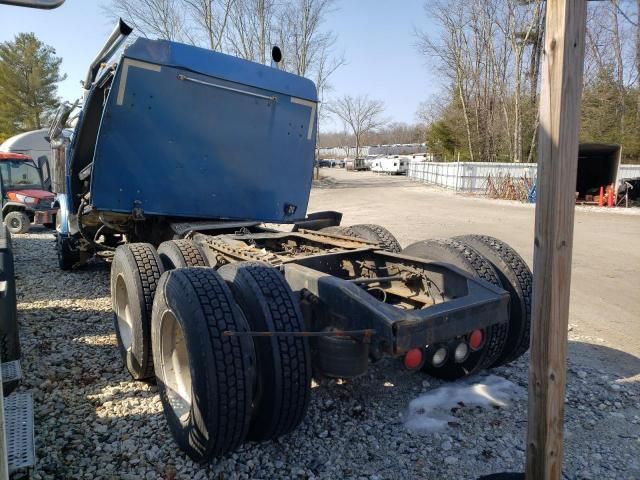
x,y
312,119
125,73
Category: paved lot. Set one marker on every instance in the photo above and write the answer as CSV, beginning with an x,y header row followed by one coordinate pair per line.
x,y
605,290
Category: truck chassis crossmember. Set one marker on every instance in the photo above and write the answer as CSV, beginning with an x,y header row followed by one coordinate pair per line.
x,y
407,301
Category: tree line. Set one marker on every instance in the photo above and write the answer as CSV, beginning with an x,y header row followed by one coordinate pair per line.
x,y
490,51
388,134
485,54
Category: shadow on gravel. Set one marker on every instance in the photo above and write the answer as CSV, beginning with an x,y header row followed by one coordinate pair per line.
x,y
615,362
37,265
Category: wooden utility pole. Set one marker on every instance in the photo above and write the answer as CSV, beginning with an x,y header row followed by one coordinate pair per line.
x,y
557,166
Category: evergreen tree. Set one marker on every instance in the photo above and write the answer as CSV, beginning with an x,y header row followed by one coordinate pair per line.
x,y
29,73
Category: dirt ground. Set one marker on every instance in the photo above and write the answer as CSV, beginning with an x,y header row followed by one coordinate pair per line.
x,y
605,291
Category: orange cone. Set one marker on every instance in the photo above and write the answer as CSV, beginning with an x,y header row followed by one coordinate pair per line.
x,y
609,196
601,198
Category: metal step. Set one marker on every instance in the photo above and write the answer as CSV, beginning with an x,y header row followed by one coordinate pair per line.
x,y
11,372
18,417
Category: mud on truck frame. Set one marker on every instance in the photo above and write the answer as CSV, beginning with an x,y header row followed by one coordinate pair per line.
x,y
181,162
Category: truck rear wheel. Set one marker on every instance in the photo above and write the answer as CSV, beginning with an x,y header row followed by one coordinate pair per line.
x,y
135,272
516,278
283,382
466,258
68,256
205,378
181,254
370,232
17,222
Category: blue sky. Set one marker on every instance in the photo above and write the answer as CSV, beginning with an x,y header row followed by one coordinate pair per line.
x,y
375,35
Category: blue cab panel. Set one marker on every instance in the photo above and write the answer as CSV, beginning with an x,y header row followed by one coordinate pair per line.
x,y
188,132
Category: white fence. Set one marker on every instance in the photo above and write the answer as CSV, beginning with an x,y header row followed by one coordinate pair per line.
x,y
472,176
628,171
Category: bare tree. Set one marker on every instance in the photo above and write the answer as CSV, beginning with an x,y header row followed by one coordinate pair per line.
x,y
244,28
519,39
211,17
449,50
153,18
300,34
360,114
489,51
250,32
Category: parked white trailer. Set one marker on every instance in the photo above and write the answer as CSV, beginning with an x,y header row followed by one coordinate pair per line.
x,y
393,165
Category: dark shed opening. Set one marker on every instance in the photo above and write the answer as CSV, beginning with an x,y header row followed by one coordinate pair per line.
x,y
597,167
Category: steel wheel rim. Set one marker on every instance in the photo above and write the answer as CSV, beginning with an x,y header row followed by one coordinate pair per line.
x,y
14,223
123,313
175,367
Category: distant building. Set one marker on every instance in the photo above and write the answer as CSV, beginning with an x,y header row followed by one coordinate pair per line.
x,y
350,151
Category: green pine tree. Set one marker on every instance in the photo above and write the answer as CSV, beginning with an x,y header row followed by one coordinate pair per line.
x,y
29,74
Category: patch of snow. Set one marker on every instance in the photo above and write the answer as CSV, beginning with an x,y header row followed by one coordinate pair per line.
x,y
431,412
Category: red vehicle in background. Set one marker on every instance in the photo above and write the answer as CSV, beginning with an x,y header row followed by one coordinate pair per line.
x,y
25,198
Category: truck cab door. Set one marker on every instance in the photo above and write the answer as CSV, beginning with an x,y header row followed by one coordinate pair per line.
x,y
45,172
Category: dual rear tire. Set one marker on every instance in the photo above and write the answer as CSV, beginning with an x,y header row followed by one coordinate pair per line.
x,y
218,386
492,260
205,378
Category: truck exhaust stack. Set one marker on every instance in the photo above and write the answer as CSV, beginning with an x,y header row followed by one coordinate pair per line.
x,y
119,35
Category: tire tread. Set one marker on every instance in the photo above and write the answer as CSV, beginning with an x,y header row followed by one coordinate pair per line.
x,y
232,368
293,356
521,273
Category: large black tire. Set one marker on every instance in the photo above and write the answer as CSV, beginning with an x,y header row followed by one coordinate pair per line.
x,y
516,278
370,232
17,222
9,334
68,256
283,382
205,378
466,258
181,254
135,272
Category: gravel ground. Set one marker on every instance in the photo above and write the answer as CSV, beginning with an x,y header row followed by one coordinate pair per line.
x,y
92,421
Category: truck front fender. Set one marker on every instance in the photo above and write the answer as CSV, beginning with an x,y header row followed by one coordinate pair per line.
x,y
63,215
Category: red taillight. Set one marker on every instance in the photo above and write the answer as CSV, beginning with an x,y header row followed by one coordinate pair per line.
x,y
476,339
414,358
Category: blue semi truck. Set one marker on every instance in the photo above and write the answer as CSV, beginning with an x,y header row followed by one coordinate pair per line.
x,y
181,161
